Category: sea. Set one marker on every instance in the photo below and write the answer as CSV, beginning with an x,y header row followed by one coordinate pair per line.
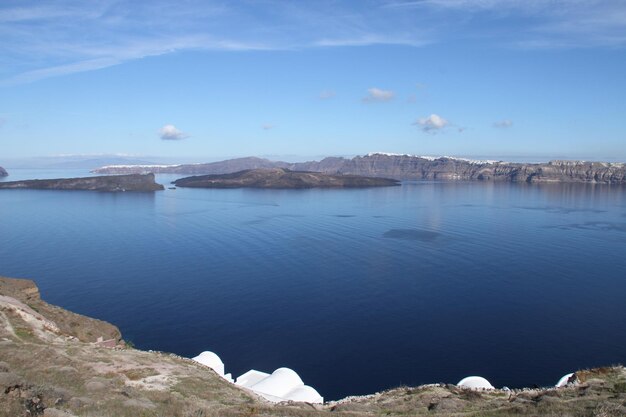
x,y
356,290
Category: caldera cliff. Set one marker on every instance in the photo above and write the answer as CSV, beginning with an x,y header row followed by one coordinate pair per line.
x,y
411,167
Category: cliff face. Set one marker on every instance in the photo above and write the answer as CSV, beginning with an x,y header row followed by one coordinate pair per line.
x,y
3,172
134,182
406,167
282,178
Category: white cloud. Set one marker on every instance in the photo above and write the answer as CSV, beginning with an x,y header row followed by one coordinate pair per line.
x,y
503,124
432,124
267,126
327,94
377,95
170,132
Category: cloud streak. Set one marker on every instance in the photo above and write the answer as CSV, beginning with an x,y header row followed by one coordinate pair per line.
x,y
503,124
377,95
327,94
69,36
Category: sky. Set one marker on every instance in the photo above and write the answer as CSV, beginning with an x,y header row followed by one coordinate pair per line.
x,y
214,79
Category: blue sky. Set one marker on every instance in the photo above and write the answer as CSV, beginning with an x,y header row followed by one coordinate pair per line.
x,y
205,80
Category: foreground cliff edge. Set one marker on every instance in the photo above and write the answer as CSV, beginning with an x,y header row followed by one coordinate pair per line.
x,y
283,179
57,363
112,183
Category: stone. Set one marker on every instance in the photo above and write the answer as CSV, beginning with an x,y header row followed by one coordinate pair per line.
x,y
55,412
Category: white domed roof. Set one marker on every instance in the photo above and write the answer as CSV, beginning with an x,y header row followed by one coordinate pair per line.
x,y
211,360
474,382
305,394
564,380
279,383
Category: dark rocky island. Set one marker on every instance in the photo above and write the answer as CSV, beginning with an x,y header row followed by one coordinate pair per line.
x,y
282,178
113,183
410,167
3,172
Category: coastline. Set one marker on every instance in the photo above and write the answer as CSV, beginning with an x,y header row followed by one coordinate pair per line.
x,y
119,380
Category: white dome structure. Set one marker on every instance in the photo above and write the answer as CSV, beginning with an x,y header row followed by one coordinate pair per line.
x,y
279,383
214,362
306,394
564,380
474,382
283,384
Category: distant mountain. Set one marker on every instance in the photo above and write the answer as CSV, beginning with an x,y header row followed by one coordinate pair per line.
x,y
410,167
74,162
282,178
3,172
221,167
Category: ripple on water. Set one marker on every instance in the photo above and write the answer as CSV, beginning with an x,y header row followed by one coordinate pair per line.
x,y
599,226
412,234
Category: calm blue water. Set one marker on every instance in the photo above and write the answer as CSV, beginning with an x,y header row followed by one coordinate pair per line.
x,y
356,290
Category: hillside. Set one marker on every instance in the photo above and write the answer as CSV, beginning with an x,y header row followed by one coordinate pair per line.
x,y
282,178
410,167
3,172
60,364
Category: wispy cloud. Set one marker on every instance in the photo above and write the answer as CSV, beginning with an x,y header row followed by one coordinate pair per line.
x,y
69,36
326,94
503,124
267,126
377,95
170,132
432,124
47,39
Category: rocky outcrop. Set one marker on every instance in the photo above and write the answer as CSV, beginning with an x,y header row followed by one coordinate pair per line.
x,y
409,167
113,183
3,172
282,178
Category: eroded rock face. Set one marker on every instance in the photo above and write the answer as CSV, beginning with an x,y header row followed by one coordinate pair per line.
x,y
27,302
406,167
3,172
112,183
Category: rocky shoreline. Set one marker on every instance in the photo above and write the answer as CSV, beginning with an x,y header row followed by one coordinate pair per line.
x,y
409,167
57,363
112,183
